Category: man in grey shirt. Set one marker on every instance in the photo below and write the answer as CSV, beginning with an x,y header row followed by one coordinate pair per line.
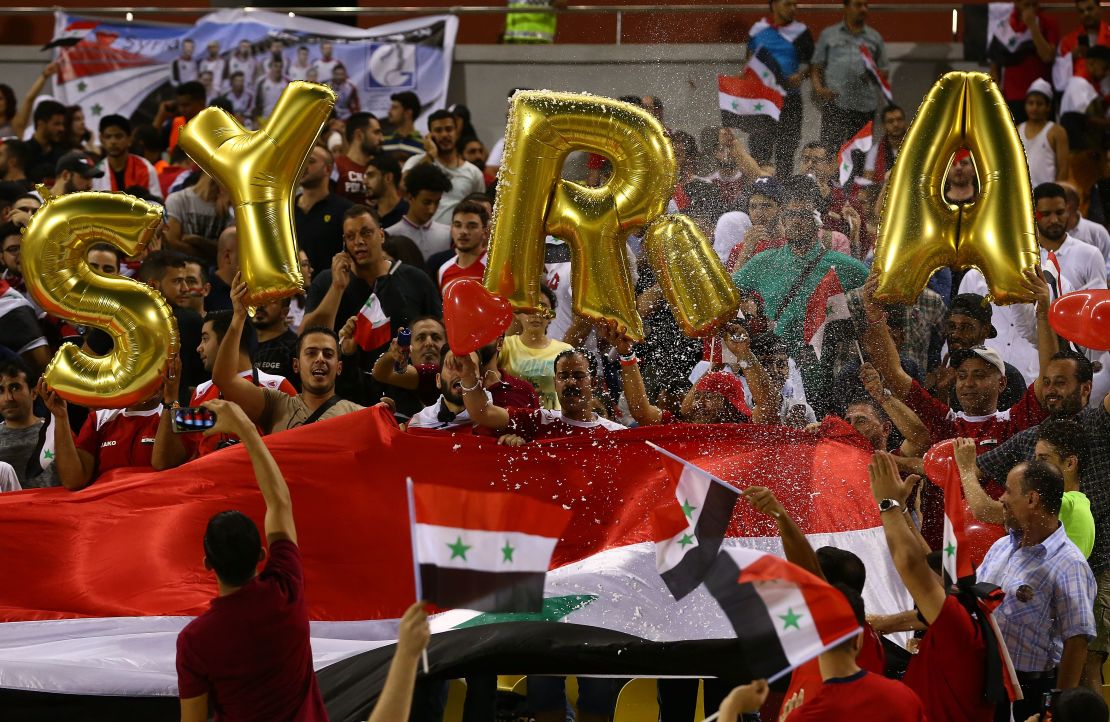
x,y
25,442
847,91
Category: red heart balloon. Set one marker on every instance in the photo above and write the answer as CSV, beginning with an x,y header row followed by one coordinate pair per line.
x,y
1083,317
938,459
474,317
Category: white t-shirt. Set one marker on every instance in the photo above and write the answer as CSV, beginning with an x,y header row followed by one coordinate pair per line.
x,y
431,238
497,153
1094,233
465,179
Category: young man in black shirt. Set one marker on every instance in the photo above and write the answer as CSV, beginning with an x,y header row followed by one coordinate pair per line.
x,y
277,344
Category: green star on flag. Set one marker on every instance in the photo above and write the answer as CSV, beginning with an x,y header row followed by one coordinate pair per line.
x,y
687,508
790,619
950,549
458,549
97,109
758,106
735,105
686,540
48,454
507,552
82,86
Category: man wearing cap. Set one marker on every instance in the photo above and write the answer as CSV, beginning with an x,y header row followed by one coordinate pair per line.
x,y
980,378
786,278
74,173
1046,144
127,169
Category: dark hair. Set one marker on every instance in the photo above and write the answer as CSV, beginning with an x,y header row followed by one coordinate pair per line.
x,y
10,229
193,89
1049,190
426,177
9,101
891,109
107,247
871,404
549,294
18,151
358,121
232,546
441,115
1084,372
12,369
326,330
1066,437
855,600
687,141
477,198
239,73
767,344
829,148
360,210
590,360
155,265
800,188
1045,479
472,207
1080,704
841,566
486,353
221,322
427,317
115,121
386,163
203,267
404,249
409,101
223,103
46,110
148,138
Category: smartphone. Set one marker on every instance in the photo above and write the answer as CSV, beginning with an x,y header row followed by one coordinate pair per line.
x,y
192,418
1048,701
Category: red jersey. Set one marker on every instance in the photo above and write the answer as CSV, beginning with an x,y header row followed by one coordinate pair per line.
x,y
1017,78
533,424
1070,41
250,650
452,271
806,682
207,391
988,431
349,185
863,695
512,392
118,438
949,671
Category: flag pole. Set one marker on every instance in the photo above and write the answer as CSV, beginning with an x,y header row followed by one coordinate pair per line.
x,y
415,559
859,352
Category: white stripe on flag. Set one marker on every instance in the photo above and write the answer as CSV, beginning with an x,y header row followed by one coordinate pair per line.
x,y
485,551
949,550
691,490
748,106
765,75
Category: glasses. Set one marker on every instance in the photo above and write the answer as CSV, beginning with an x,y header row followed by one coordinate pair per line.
x,y
365,234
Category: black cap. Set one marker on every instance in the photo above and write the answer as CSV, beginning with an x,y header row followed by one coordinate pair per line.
x,y
974,305
78,162
768,187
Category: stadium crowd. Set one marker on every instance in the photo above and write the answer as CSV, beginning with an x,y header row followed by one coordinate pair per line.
x,y
384,211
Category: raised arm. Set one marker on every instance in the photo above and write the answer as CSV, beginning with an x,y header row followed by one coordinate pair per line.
x,y
75,466
23,116
230,419
1058,138
385,370
879,345
225,370
765,402
1048,343
982,506
909,558
794,543
478,405
395,700
641,408
905,420
325,312
169,452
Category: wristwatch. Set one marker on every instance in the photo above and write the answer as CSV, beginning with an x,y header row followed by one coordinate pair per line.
x,y
888,504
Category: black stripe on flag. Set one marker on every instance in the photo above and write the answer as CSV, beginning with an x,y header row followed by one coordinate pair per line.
x,y
450,588
748,616
716,513
747,123
765,56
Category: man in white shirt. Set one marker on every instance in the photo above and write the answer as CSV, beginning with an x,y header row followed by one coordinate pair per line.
x,y
441,150
425,186
213,63
242,61
269,90
298,68
1086,230
325,64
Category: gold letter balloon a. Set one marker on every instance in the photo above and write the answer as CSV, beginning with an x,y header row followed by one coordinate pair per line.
x,y
920,232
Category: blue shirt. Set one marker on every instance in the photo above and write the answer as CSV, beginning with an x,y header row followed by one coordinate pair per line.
x,y
1050,597
790,45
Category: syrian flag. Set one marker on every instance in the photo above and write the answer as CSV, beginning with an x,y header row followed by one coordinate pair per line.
x,y
1051,270
828,303
487,551
1008,39
701,517
873,68
779,611
372,328
861,141
956,554
73,33
755,92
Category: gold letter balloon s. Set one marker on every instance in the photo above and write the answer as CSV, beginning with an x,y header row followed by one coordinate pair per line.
x,y
533,201
920,232
140,322
259,170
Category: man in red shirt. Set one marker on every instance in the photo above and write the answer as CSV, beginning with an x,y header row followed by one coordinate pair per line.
x,y
575,371
1071,55
248,657
364,141
109,439
1021,50
949,671
469,236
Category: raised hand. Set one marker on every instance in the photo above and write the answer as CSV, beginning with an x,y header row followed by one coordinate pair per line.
x,y
414,633
230,418
55,404
764,500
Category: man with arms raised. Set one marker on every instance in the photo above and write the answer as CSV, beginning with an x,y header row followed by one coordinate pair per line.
x,y
317,363
250,651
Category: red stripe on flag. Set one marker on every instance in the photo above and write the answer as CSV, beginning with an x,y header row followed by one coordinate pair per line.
x,y
817,308
668,519
487,511
748,86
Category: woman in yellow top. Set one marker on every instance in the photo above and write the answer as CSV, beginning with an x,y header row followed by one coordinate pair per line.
x,y
531,355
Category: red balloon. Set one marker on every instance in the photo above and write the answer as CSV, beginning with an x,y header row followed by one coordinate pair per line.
x,y
1083,317
938,460
980,537
473,316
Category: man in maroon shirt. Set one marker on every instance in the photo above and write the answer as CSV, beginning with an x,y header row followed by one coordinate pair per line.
x,y
248,657
1022,50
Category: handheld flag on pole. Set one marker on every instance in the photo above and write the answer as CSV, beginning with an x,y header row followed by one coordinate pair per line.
x,y
372,329
757,91
827,304
873,69
688,534
861,141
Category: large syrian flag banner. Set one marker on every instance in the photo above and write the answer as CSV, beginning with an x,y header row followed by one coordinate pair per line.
x,y
99,582
109,65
